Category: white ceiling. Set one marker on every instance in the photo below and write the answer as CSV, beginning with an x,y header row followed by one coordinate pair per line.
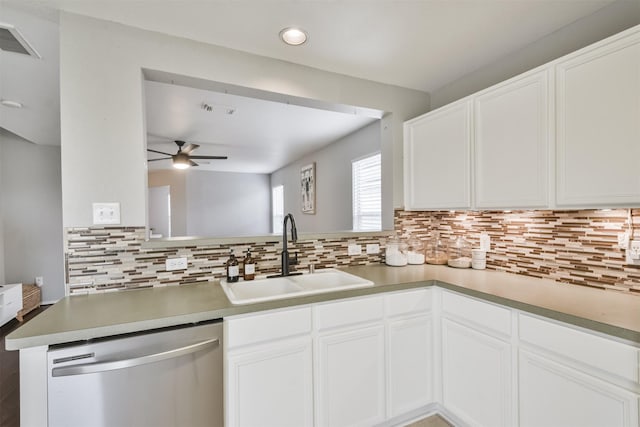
x,y
260,136
422,45
31,81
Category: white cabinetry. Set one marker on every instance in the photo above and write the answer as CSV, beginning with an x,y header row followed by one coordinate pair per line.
x,y
437,159
511,143
552,394
476,361
565,135
571,378
409,350
10,302
350,367
268,370
353,362
598,124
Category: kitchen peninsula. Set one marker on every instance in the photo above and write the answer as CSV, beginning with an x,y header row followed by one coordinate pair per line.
x,y
516,310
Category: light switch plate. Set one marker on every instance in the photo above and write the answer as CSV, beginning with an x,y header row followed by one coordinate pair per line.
x,y
172,264
106,213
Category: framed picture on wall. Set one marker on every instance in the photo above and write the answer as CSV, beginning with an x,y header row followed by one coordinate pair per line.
x,y
308,188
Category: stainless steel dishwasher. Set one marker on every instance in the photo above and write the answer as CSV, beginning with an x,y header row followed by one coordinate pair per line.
x,y
167,377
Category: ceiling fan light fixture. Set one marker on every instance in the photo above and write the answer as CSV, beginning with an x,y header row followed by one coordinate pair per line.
x,y
181,161
293,36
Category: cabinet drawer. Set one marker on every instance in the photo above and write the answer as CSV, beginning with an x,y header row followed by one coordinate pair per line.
x,y
349,312
409,302
268,326
601,353
477,313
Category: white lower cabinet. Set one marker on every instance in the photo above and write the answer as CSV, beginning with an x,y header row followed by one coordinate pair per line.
x,y
269,369
410,364
552,394
271,385
476,375
351,377
410,349
382,359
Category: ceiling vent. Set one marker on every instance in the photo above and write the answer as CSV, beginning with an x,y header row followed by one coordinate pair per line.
x,y
11,40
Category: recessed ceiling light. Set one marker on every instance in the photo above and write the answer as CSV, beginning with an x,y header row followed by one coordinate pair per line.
x,y
293,36
11,104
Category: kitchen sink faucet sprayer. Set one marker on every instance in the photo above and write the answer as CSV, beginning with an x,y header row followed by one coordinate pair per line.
x,y
286,262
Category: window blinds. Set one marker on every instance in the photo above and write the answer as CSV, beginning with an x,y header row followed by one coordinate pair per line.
x,y
367,193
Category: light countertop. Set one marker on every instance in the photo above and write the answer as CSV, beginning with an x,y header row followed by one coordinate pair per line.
x,y
84,317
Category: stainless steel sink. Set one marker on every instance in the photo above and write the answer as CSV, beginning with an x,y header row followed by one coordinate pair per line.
x,y
329,280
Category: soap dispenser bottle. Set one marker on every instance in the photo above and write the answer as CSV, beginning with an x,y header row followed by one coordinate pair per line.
x,y
249,270
233,270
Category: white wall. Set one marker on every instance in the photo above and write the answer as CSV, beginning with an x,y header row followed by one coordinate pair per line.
x,y
333,182
102,106
2,138
176,181
31,205
618,16
228,204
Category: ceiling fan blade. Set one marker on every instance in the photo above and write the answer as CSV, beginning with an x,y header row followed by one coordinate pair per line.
x,y
209,157
192,163
163,158
189,148
159,152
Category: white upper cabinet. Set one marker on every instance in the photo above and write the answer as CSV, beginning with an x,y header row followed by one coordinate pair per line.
x,y
566,135
437,159
598,124
511,143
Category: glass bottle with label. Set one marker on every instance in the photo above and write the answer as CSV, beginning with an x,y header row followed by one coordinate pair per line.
x,y
233,269
249,270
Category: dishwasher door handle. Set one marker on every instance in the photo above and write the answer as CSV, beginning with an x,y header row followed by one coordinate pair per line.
x,y
90,368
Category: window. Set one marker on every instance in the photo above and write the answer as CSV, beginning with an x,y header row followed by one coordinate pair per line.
x,y
277,208
367,193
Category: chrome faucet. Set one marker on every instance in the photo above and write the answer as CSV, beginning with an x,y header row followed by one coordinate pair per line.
x,y
286,262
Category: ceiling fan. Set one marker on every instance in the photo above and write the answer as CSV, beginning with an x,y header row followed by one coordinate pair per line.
x,y
183,158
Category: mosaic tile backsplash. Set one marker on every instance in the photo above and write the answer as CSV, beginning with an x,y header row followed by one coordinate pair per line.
x,y
112,258
577,247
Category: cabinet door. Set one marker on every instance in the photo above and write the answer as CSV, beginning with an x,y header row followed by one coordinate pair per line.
x,y
476,376
437,150
512,135
270,385
554,395
351,378
598,125
410,364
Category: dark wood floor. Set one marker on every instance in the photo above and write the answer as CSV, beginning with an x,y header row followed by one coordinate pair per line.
x,y
10,376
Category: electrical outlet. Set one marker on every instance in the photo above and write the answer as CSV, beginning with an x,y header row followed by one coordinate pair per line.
x,y
39,281
634,249
623,240
172,264
633,253
485,242
354,249
373,248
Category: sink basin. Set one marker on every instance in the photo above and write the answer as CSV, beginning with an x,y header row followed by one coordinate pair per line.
x,y
260,290
330,279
